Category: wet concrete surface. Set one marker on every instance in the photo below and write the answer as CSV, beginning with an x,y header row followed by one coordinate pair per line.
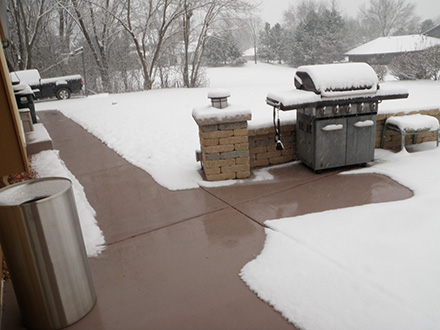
x,y
173,258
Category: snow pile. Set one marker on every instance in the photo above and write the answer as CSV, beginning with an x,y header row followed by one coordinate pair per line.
x,y
332,80
414,123
49,164
368,267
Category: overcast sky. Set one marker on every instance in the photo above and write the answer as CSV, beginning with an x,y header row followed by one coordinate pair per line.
x,y
272,10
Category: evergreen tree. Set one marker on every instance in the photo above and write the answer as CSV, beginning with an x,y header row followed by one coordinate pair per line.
x,y
272,43
222,50
318,39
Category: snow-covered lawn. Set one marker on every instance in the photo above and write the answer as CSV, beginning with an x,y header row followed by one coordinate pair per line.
x,y
369,267
155,131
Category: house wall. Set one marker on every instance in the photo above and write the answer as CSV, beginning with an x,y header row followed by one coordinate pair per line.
x,y
375,59
13,158
434,32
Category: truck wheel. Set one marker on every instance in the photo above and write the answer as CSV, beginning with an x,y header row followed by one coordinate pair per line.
x,y
63,94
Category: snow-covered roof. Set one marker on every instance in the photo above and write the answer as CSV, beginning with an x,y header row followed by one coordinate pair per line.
x,y
395,44
432,31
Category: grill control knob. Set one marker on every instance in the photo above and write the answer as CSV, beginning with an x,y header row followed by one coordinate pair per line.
x,y
322,111
373,106
336,109
347,108
361,107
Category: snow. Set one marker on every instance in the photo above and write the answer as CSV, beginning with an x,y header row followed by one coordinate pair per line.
x,y
395,44
60,80
414,123
209,115
368,267
155,131
39,134
296,97
364,123
333,127
218,93
329,78
48,164
30,77
22,89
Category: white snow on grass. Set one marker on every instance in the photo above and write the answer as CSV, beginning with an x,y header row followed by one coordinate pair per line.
x,y
48,164
368,267
155,131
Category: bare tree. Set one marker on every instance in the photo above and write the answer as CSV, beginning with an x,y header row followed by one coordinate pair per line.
x,y
98,25
28,19
387,17
254,24
417,65
206,16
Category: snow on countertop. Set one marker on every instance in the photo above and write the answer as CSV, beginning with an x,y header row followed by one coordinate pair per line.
x,y
208,115
218,93
414,123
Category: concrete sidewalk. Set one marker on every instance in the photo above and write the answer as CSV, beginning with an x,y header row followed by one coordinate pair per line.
x,y
173,257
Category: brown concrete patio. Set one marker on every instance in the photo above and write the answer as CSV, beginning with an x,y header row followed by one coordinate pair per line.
x,y
173,257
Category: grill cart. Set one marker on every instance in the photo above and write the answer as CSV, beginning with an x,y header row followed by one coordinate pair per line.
x,y
336,113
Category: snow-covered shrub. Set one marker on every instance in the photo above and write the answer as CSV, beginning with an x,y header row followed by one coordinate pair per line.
x,y
381,71
417,65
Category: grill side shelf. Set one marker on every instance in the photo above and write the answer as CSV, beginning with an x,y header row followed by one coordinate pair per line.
x,y
333,102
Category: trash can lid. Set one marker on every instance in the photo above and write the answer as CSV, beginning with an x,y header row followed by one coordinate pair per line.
x,y
22,89
33,190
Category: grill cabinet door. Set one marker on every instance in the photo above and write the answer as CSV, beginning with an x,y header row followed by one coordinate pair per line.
x,y
304,137
330,143
361,138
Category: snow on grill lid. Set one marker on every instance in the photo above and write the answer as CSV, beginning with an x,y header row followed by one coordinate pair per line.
x,y
337,79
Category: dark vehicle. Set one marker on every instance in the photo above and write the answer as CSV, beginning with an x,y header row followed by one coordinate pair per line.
x,y
60,87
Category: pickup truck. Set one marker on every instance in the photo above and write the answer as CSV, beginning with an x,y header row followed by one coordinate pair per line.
x,y
59,87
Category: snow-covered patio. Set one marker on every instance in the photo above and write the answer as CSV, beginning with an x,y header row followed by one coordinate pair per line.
x,y
351,251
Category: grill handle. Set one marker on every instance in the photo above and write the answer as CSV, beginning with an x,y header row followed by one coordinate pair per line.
x,y
364,123
333,127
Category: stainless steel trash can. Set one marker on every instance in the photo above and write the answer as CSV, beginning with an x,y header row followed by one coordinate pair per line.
x,y
43,246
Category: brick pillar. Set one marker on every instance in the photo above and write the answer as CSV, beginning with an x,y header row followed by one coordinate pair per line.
x,y
224,141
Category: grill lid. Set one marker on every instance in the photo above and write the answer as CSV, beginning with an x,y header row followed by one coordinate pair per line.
x,y
333,80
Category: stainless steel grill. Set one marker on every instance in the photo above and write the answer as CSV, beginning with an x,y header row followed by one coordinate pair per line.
x,y
336,108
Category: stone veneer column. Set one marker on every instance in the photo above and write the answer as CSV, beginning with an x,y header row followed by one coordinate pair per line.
x,y
224,141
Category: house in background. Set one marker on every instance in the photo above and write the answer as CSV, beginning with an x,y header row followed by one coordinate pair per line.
x,y
433,32
383,50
